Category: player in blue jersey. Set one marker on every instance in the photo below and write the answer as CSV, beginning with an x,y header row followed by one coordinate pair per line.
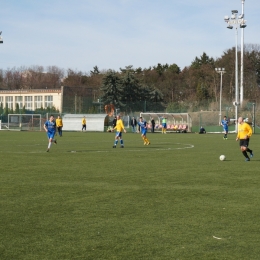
x,y
50,128
143,127
224,124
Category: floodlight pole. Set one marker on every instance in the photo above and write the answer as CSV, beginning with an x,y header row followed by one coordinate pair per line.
x,y
236,102
234,20
221,71
242,59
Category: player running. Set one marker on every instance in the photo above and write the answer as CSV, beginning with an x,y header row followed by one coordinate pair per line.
x,y
243,135
119,129
50,129
143,128
224,124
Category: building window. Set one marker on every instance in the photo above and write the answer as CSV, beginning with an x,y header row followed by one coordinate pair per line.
x,y
28,102
38,102
48,101
19,101
2,101
9,102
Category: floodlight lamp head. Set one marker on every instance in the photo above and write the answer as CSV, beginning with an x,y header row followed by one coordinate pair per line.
x,y
241,16
242,25
233,17
234,12
226,18
230,27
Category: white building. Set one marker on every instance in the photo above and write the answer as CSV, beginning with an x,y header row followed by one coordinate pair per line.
x,y
65,99
31,99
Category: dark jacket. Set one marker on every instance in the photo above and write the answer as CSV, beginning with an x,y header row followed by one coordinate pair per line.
x,y
133,122
114,122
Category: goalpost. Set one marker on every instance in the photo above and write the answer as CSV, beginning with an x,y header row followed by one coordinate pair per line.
x,y
29,122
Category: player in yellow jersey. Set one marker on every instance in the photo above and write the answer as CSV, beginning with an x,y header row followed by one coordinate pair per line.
x,y
59,125
84,123
243,134
119,129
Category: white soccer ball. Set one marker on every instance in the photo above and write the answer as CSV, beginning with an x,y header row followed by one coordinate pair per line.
x,y
222,157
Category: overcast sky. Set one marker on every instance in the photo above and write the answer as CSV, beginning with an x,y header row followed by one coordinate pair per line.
x,y
81,34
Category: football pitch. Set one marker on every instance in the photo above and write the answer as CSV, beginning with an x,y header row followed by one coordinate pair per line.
x,y
173,199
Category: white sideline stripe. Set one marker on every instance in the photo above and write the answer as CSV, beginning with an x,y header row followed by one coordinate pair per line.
x,y
186,146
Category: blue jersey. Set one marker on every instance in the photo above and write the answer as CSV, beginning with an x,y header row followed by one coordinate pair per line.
x,y
143,127
51,126
224,123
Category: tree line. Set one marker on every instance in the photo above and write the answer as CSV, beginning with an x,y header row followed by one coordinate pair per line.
x,y
195,86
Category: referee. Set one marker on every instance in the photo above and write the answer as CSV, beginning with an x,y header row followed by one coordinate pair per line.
x,y
243,134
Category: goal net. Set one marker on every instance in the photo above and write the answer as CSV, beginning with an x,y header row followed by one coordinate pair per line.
x,y
28,122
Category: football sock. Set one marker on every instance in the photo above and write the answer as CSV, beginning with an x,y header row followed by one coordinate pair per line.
x,y
245,154
49,145
121,142
249,150
116,141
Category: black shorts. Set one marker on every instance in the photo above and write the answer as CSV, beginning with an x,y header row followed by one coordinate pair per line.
x,y
244,142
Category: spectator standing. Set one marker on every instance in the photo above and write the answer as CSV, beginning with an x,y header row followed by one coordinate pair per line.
x,y
133,124
114,122
153,125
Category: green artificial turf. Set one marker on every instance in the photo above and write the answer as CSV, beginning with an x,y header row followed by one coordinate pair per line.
x,y
171,200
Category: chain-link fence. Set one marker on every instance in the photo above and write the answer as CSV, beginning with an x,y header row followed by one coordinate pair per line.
x,y
209,119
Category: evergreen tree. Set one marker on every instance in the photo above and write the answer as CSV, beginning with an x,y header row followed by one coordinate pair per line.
x,y
174,68
131,89
1,109
95,71
204,59
6,110
112,89
17,110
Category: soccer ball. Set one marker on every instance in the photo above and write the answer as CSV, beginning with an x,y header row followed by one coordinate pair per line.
x,y
222,157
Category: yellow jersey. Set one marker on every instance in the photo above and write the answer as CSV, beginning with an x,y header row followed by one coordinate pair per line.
x,y
59,122
119,125
244,130
84,121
